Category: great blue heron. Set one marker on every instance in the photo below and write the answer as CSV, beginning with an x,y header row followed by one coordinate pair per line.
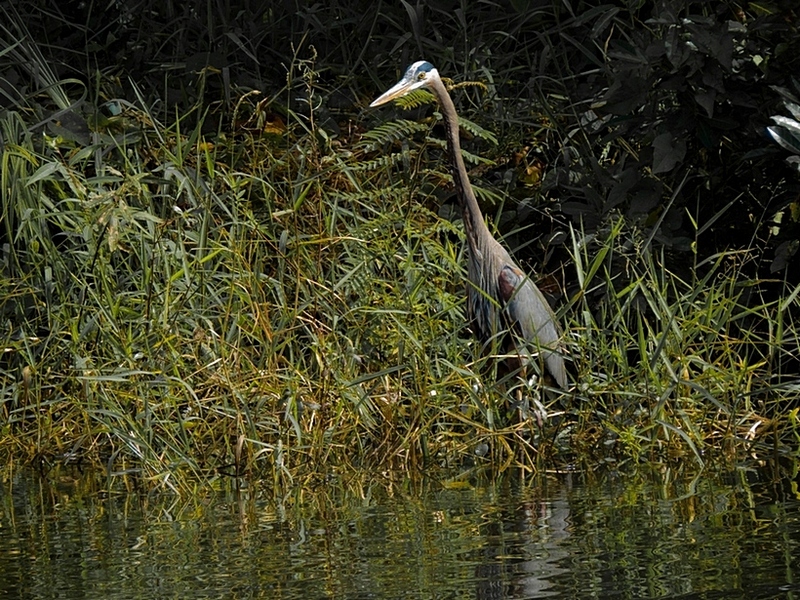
x,y
500,296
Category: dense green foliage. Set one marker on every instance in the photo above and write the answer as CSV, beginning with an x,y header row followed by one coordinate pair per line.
x,y
216,260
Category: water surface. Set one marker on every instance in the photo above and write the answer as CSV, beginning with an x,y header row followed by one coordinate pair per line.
x,y
63,535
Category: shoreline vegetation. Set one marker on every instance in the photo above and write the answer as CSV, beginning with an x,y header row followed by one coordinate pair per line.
x,y
203,278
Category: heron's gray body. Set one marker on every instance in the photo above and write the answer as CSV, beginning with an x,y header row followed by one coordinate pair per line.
x,y
501,298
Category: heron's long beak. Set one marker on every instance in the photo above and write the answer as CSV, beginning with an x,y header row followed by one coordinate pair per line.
x,y
401,88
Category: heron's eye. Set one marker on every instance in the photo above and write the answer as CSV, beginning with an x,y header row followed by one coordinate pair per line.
x,y
421,76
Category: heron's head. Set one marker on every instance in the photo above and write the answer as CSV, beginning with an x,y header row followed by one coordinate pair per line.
x,y
417,76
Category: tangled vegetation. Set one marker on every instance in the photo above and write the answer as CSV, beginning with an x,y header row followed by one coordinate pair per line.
x,y
215,261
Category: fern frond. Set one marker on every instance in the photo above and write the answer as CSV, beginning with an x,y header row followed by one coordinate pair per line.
x,y
464,84
467,156
374,197
488,195
477,130
416,99
382,162
475,159
390,132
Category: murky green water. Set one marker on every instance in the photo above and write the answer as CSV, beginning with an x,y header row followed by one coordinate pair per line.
x,y
560,537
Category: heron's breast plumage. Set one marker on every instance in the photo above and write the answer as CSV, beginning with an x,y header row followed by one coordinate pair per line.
x,y
502,298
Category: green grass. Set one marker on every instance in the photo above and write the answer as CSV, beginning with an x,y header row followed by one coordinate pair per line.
x,y
208,297
690,366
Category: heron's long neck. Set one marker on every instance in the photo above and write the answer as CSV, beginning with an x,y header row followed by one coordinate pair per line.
x,y
473,219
